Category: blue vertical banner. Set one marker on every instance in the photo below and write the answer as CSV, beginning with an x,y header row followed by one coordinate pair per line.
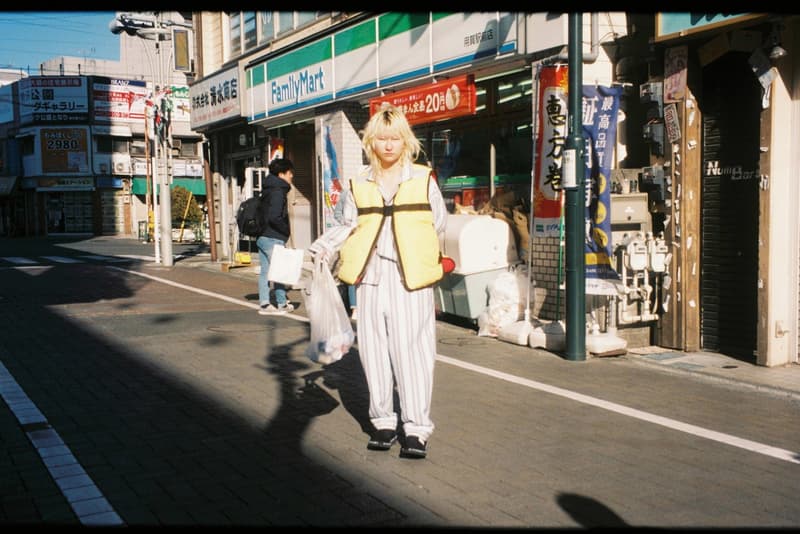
x,y
599,111
330,179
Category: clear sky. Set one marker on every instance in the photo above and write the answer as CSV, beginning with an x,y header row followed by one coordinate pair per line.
x,y
28,38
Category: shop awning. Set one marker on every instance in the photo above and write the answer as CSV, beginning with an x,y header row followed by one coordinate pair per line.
x,y
7,184
196,185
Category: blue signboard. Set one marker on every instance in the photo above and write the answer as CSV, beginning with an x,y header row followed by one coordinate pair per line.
x,y
668,23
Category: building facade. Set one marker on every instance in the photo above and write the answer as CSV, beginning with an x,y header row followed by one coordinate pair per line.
x,y
703,173
305,90
728,167
78,141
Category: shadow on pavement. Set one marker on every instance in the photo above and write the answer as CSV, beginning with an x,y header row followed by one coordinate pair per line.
x,y
162,449
588,512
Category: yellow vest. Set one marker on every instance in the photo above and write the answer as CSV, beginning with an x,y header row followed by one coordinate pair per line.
x,y
412,225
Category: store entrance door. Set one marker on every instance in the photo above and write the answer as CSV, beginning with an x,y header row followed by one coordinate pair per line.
x,y
69,212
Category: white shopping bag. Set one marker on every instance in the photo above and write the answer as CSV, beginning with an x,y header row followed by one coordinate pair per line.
x,y
332,332
285,265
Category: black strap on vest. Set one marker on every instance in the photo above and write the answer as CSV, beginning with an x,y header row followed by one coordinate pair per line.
x,y
387,211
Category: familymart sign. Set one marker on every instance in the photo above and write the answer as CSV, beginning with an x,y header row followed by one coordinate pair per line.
x,y
381,51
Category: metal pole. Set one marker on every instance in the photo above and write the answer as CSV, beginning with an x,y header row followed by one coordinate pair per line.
x,y
166,198
157,197
574,209
492,168
535,72
212,220
151,186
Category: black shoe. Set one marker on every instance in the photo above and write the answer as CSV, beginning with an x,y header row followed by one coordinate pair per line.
x,y
413,448
382,440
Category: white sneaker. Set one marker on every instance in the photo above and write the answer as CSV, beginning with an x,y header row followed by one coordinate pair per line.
x,y
269,309
353,315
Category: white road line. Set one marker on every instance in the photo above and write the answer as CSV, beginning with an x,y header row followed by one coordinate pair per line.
x,y
103,258
728,439
226,298
18,260
753,446
138,257
86,500
62,259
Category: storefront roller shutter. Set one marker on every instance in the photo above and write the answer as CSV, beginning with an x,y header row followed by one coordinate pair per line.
x,y
730,105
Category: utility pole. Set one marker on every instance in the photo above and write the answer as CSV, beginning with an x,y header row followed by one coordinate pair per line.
x,y
166,198
151,26
575,199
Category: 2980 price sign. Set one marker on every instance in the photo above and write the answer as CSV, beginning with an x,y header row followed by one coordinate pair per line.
x,y
63,144
63,149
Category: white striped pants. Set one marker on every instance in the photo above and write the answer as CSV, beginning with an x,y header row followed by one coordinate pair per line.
x,y
397,332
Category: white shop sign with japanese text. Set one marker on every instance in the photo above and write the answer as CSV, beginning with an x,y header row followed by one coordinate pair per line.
x,y
119,100
215,99
53,98
461,38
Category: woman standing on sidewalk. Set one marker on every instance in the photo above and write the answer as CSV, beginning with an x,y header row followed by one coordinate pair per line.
x,y
389,248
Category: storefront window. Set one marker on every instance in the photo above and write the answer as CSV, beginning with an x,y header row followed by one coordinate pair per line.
x,y
103,144
304,17
138,148
285,21
514,93
267,23
27,145
236,33
502,125
249,29
119,145
188,149
107,144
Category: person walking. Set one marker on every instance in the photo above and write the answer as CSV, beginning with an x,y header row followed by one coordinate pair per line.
x,y
276,231
388,246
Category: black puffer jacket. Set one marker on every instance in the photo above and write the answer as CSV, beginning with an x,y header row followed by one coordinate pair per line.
x,y
276,209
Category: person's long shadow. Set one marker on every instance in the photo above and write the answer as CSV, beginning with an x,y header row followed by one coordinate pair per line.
x,y
302,397
347,377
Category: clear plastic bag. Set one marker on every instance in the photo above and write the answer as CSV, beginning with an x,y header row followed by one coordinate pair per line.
x,y
332,333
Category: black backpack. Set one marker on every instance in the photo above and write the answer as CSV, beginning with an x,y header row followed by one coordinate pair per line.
x,y
249,217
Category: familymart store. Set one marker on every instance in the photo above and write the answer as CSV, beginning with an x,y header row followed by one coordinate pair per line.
x,y
329,82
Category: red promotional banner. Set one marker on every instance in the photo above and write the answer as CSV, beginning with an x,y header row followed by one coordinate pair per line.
x,y
551,140
449,98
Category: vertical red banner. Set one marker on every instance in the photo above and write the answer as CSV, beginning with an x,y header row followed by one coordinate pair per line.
x,y
551,137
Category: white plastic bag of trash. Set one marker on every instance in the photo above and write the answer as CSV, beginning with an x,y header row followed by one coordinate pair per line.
x,y
506,303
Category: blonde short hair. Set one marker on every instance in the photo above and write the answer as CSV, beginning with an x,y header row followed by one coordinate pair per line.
x,y
390,119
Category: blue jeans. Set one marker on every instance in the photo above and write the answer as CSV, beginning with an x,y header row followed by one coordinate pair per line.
x,y
351,296
265,245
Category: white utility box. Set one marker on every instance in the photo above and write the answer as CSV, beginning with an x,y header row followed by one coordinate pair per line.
x,y
478,243
482,248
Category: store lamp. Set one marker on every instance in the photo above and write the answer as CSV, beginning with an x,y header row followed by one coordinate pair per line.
x,y
776,50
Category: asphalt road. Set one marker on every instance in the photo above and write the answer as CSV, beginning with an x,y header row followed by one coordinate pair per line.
x,y
137,394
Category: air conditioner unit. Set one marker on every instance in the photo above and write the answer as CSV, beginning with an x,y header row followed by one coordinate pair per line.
x,y
121,167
